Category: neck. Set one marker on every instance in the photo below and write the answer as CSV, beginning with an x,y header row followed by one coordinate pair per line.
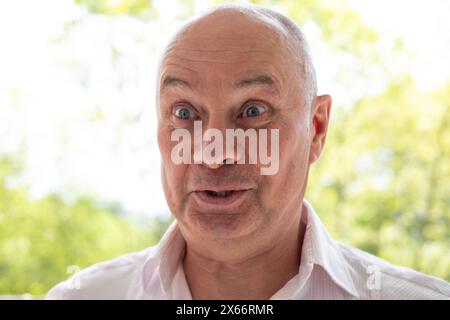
x,y
258,277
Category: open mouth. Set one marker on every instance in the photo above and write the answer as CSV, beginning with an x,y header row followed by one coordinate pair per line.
x,y
224,197
221,194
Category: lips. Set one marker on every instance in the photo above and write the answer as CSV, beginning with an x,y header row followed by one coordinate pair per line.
x,y
220,198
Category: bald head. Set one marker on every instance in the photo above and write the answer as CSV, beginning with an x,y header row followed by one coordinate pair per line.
x,y
222,23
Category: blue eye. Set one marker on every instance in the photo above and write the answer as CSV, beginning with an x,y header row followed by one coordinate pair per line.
x,y
184,113
253,110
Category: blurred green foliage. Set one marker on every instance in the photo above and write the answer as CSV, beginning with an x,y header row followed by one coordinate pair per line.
x,y
40,239
381,184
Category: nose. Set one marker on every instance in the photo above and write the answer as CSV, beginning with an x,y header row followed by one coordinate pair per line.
x,y
216,150
213,165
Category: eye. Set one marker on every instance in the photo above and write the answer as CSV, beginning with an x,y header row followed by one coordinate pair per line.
x,y
253,110
184,113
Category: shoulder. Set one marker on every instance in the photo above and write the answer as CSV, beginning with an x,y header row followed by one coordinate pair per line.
x,y
376,278
119,278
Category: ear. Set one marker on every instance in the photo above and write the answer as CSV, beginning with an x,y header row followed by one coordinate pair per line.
x,y
320,115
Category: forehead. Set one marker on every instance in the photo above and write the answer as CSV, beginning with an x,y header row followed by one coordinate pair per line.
x,y
227,53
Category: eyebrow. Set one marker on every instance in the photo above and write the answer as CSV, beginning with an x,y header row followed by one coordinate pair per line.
x,y
171,81
262,79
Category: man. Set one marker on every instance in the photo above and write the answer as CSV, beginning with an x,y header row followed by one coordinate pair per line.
x,y
241,234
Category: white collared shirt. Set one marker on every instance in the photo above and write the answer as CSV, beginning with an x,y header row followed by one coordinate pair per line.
x,y
328,270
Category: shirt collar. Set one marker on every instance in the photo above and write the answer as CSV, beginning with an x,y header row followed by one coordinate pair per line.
x,y
321,249
318,249
162,265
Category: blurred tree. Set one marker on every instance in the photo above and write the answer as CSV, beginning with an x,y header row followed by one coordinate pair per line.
x,y
382,181
40,239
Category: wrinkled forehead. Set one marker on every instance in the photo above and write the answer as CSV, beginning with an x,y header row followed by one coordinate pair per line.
x,y
228,46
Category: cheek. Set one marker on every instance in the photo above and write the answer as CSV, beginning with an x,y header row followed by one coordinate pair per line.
x,y
293,144
172,174
293,159
164,142
173,177
295,163
165,147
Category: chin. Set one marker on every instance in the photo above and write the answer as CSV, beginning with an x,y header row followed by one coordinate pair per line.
x,y
222,225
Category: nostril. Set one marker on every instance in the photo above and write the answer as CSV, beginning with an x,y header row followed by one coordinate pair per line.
x,y
229,161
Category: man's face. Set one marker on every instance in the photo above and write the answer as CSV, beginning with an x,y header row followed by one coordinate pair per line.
x,y
204,78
